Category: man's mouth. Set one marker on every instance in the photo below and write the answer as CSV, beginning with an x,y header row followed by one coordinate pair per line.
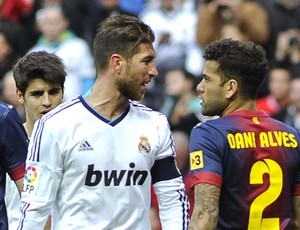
x,y
45,111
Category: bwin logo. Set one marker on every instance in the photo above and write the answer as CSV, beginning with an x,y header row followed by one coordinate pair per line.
x,y
85,146
115,177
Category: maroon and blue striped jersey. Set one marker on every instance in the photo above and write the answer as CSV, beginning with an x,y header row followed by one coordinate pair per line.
x,y
255,160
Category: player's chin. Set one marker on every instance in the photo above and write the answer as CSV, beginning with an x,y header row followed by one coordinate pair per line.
x,y
204,111
140,98
137,97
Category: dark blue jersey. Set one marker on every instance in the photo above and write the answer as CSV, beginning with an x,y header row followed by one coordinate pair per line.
x,y
13,150
255,160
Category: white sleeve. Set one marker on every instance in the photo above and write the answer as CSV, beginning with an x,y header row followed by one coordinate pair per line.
x,y
41,180
168,184
173,204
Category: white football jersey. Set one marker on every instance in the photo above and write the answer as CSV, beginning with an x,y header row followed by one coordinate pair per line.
x,y
98,172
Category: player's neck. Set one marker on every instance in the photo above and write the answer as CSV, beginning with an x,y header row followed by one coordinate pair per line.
x,y
106,99
108,104
109,109
239,105
28,126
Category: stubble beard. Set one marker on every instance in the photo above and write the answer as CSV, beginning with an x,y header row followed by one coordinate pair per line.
x,y
127,89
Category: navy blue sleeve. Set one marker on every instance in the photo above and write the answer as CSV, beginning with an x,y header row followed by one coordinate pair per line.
x,y
13,142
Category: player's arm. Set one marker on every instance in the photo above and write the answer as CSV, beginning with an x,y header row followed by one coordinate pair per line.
x,y
206,209
43,178
296,222
15,147
19,184
169,188
168,183
48,224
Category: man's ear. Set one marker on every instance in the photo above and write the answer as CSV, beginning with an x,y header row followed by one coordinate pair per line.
x,y
232,88
20,96
116,61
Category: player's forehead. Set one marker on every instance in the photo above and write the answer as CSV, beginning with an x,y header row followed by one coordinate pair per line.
x,y
40,84
145,50
211,69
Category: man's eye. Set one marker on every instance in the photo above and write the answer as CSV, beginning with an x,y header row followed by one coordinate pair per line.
x,y
36,94
54,91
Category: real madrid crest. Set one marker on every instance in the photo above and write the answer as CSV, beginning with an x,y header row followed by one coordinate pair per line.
x,y
144,146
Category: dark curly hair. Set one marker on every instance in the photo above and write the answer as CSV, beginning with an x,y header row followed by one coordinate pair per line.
x,y
243,61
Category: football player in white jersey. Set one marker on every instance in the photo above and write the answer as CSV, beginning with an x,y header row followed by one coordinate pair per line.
x,y
95,157
39,78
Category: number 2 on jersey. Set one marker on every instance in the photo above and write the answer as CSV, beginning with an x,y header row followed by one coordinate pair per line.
x,y
274,171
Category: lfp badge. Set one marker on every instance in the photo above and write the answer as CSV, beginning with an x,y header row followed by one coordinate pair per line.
x,y
30,174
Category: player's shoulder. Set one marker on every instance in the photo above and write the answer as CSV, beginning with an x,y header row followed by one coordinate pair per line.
x,y
213,121
144,111
62,111
5,109
283,126
210,129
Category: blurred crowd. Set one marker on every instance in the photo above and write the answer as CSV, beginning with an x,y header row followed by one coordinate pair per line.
x,y
182,29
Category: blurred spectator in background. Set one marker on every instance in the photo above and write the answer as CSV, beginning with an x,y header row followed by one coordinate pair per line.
x,y
291,115
284,20
81,14
237,19
174,27
181,103
288,48
283,42
279,80
18,14
48,3
84,16
106,8
9,94
74,51
9,49
14,10
134,7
